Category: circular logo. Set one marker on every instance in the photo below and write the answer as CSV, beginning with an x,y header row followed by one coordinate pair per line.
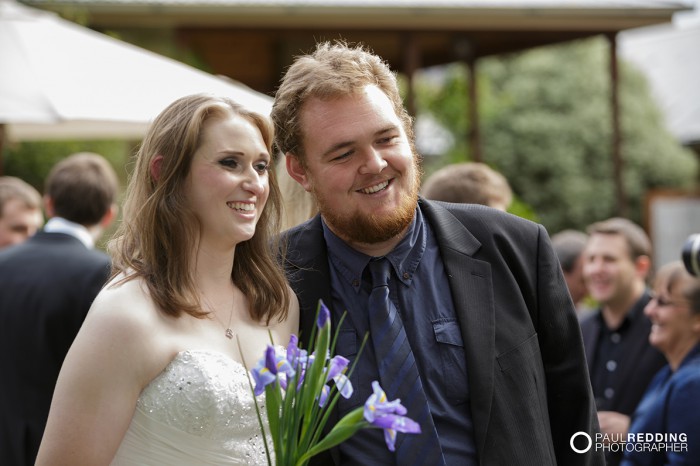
x,y
582,450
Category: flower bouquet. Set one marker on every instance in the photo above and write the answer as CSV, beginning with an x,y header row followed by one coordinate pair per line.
x,y
299,398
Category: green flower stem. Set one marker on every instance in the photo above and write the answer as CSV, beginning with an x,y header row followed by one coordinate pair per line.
x,y
336,395
314,380
255,403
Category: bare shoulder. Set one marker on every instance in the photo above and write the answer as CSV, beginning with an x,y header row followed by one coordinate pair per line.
x,y
115,354
124,307
284,328
291,323
125,323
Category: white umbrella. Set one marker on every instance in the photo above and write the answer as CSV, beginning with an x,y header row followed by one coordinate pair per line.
x,y
60,80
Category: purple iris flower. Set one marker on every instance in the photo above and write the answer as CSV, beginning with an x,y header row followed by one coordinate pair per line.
x,y
271,367
293,349
388,415
344,385
271,359
323,398
263,374
324,316
337,366
336,370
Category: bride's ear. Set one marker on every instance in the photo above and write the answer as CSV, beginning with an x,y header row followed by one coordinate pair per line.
x,y
155,166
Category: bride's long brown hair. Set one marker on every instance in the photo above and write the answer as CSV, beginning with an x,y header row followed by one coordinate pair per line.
x,y
158,233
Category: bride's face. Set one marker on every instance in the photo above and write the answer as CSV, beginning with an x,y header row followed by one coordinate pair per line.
x,y
228,183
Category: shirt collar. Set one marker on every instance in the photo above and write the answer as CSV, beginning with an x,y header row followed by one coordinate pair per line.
x,y
61,225
404,258
636,312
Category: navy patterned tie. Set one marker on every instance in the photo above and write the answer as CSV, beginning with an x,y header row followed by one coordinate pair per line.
x,y
398,371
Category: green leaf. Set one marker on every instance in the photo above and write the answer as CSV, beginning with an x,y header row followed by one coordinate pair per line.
x,y
343,430
273,401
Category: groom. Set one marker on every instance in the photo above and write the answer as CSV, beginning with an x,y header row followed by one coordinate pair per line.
x,y
474,329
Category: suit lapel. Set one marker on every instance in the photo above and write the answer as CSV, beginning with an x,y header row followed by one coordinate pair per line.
x,y
472,295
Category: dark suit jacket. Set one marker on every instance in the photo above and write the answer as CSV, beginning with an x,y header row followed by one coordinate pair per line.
x,y
47,285
528,379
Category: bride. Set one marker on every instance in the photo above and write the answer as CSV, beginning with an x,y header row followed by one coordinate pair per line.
x,y
155,375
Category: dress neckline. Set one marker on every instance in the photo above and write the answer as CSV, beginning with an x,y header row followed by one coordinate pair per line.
x,y
218,354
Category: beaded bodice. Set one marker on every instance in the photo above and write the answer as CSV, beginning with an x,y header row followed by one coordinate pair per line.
x,y
203,398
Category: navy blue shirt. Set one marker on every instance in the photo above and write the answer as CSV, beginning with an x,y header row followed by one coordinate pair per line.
x,y
421,293
669,407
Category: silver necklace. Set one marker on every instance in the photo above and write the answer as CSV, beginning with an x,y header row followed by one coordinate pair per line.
x,y
227,328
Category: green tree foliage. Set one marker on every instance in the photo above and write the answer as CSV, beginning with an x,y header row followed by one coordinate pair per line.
x,y
32,161
546,125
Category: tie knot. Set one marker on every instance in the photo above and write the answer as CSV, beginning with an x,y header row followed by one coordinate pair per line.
x,y
380,269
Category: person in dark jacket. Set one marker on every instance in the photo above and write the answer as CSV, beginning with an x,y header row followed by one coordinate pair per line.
x,y
47,285
621,362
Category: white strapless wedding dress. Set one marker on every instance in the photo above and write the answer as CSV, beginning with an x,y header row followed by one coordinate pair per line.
x,y
198,411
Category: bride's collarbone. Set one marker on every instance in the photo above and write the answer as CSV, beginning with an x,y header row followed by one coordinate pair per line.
x,y
189,333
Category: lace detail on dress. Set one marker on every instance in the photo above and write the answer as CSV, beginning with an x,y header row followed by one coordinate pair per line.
x,y
207,395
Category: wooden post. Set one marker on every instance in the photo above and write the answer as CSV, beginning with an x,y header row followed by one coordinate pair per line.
x,y
2,147
464,51
411,63
474,136
618,163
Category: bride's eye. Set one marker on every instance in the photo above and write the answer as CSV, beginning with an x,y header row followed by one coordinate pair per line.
x,y
262,167
229,162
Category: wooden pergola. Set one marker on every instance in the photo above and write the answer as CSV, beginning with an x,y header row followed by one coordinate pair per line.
x,y
254,41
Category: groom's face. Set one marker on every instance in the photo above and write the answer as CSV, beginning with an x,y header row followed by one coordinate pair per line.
x,y
359,165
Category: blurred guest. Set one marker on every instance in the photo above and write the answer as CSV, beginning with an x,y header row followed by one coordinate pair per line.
x,y
20,211
621,362
569,246
48,285
670,404
469,183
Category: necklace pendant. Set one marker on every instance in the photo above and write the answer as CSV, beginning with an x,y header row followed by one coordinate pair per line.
x,y
229,334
